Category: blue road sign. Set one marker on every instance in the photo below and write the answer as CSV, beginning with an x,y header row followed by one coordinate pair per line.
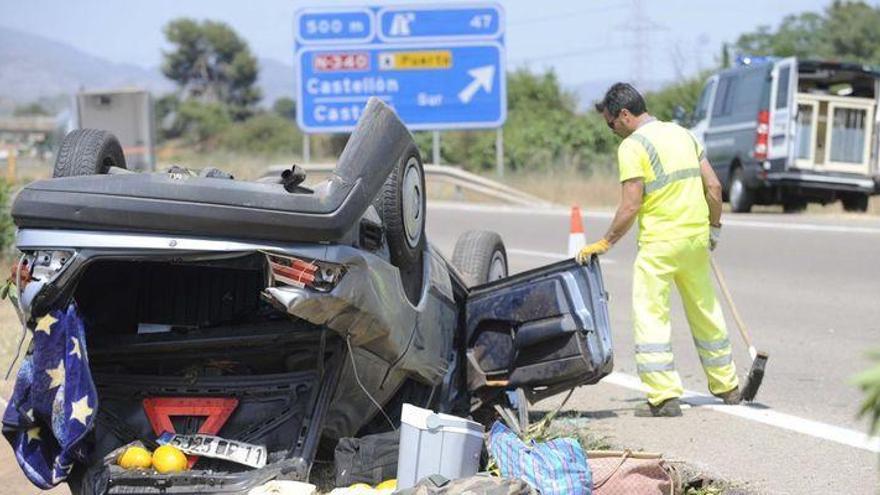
x,y
439,67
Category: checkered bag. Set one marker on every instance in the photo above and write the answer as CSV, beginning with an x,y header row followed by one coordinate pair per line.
x,y
557,467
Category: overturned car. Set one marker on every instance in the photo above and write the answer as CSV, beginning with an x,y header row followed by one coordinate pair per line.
x,y
278,315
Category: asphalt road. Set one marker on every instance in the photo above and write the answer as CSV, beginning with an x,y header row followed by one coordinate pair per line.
x,y
808,288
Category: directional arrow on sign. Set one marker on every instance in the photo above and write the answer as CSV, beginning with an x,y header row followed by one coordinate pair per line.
x,y
483,78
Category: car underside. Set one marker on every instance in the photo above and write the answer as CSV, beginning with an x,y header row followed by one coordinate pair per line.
x,y
279,315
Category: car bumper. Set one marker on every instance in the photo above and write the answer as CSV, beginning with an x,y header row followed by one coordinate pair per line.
x,y
825,181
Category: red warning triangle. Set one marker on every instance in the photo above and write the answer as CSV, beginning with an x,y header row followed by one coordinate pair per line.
x,y
216,411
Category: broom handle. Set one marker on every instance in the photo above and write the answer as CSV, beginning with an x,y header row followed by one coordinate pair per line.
x,y
736,317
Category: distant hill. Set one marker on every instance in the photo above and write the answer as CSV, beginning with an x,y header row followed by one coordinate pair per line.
x,y
276,79
33,67
36,67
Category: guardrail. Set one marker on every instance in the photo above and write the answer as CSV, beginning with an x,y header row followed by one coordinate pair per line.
x,y
448,174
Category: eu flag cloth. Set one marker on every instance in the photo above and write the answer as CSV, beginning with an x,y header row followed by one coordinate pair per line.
x,y
53,406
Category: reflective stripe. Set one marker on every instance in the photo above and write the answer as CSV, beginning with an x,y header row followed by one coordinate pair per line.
x,y
716,362
661,178
655,367
665,180
652,348
656,166
712,345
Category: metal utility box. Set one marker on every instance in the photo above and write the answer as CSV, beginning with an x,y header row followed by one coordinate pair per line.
x,y
127,113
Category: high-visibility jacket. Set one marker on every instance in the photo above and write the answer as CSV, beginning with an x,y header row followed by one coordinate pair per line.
x,y
667,156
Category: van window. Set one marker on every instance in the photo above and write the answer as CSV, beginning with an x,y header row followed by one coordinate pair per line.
x,y
740,96
782,87
723,97
703,103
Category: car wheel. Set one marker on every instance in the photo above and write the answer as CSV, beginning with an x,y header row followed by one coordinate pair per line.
x,y
402,206
88,152
480,257
857,202
741,196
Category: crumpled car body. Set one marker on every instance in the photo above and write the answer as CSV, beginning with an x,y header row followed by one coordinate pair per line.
x,y
194,289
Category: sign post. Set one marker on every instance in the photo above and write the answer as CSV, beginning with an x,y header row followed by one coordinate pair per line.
x,y
439,66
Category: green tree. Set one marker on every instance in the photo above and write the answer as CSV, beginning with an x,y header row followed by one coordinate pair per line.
x,y
212,64
263,133
662,103
846,30
285,107
198,122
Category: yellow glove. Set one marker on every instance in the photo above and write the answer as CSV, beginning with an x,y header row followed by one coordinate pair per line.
x,y
599,247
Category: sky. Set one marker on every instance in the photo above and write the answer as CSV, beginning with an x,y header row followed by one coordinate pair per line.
x,y
582,40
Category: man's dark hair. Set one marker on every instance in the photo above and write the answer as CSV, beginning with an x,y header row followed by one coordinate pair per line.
x,y
620,96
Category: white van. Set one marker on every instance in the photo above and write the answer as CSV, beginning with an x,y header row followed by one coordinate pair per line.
x,y
789,132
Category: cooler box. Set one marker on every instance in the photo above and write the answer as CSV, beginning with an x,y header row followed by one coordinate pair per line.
x,y
432,443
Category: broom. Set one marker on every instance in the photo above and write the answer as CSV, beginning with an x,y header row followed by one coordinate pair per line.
x,y
759,358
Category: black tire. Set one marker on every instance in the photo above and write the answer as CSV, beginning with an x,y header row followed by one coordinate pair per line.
x,y
856,202
476,253
741,197
88,152
794,205
405,224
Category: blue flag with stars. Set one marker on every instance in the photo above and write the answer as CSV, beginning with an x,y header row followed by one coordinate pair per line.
x,y
53,406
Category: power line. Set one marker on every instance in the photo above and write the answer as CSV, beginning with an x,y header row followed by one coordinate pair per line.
x,y
641,26
583,51
566,15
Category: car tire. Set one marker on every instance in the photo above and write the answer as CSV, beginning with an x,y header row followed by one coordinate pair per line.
x,y
856,202
480,257
402,206
741,196
88,152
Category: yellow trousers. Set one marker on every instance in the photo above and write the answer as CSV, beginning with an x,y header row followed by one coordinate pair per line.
x,y
686,263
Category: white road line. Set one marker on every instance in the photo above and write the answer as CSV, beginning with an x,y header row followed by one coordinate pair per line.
x,y
810,227
785,224
816,429
549,255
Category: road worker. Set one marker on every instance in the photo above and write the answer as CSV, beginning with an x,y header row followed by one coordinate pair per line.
x,y
669,184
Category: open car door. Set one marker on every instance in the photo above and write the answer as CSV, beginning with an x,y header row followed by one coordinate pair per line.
x,y
545,330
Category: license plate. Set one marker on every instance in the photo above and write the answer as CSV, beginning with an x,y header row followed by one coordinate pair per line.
x,y
217,448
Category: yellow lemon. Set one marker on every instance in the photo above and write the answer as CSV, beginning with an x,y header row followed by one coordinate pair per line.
x,y
387,485
168,459
135,458
360,486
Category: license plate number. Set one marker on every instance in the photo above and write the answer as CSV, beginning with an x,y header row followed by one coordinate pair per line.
x,y
218,448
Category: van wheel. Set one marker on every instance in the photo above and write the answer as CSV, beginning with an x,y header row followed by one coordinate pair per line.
x,y
480,257
741,196
402,206
88,152
857,202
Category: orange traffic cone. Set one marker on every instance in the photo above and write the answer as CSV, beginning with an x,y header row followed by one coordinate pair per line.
x,y
576,237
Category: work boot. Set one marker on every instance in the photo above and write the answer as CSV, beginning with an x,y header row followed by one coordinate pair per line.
x,y
731,397
669,408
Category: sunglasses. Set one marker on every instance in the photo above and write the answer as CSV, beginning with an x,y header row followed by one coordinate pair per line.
x,y
611,123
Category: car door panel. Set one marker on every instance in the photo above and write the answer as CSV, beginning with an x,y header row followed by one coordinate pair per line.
x,y
544,329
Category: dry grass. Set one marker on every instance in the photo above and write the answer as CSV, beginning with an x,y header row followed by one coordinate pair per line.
x,y
569,188
603,190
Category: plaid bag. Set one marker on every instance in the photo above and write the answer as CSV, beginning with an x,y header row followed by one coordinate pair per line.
x,y
557,467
